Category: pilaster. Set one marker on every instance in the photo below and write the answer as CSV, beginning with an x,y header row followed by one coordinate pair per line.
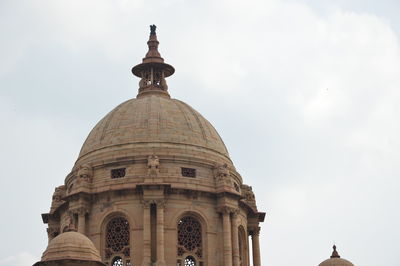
x,y
226,223
160,233
235,238
146,233
255,233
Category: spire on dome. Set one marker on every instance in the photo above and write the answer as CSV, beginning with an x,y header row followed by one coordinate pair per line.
x,y
153,70
335,254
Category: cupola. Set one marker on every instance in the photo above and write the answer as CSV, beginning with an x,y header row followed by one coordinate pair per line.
x,y
153,70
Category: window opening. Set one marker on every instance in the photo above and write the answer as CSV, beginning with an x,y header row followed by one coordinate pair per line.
x,y
188,172
190,261
117,261
189,241
117,241
118,173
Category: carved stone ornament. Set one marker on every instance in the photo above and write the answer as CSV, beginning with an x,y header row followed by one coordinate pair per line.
x,y
52,232
58,194
147,203
222,172
160,203
153,164
247,192
85,172
226,210
255,231
69,223
79,211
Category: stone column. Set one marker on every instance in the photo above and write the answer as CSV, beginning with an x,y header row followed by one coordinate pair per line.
x,y
160,233
146,234
227,237
235,238
256,246
82,220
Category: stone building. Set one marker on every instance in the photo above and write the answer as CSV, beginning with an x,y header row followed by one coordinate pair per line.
x,y
153,185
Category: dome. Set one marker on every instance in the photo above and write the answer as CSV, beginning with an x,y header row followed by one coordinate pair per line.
x,y
152,120
335,260
71,246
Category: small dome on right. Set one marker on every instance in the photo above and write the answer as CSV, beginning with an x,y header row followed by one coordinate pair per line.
x,y
335,260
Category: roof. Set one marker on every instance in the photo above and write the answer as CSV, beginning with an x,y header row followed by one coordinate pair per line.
x,y
71,246
152,121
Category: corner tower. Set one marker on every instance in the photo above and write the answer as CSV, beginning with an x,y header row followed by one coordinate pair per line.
x,y
154,184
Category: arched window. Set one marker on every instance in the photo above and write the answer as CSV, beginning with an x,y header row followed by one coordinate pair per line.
x,y
117,238
190,261
117,261
190,241
243,253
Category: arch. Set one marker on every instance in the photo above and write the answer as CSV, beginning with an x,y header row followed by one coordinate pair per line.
x,y
189,261
243,246
107,216
117,261
190,240
195,213
116,240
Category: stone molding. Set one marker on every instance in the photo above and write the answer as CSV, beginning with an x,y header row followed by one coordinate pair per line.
x,y
159,202
227,209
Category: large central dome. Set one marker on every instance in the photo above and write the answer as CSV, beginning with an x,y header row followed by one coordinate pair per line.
x,y
153,119
154,185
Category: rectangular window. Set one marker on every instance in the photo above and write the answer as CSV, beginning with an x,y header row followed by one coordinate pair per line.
x,y
188,172
118,173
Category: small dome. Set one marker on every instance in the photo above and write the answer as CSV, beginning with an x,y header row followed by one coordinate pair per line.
x,y
71,246
335,260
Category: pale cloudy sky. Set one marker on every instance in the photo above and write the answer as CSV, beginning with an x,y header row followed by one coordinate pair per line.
x,y
304,93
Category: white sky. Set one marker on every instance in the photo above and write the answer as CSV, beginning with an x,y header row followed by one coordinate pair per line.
x,y
304,93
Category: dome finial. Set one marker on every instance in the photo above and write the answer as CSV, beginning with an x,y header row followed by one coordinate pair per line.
x,y
153,70
335,254
153,29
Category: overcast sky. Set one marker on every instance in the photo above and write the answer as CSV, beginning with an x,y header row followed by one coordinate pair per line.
x,y
304,93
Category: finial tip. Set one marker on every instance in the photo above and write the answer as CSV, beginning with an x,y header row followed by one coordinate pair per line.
x,y
153,29
335,254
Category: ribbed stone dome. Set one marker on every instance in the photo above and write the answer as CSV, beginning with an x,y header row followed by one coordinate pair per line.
x,y
71,246
153,120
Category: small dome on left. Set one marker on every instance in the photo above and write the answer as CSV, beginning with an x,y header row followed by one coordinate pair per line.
x,y
70,246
